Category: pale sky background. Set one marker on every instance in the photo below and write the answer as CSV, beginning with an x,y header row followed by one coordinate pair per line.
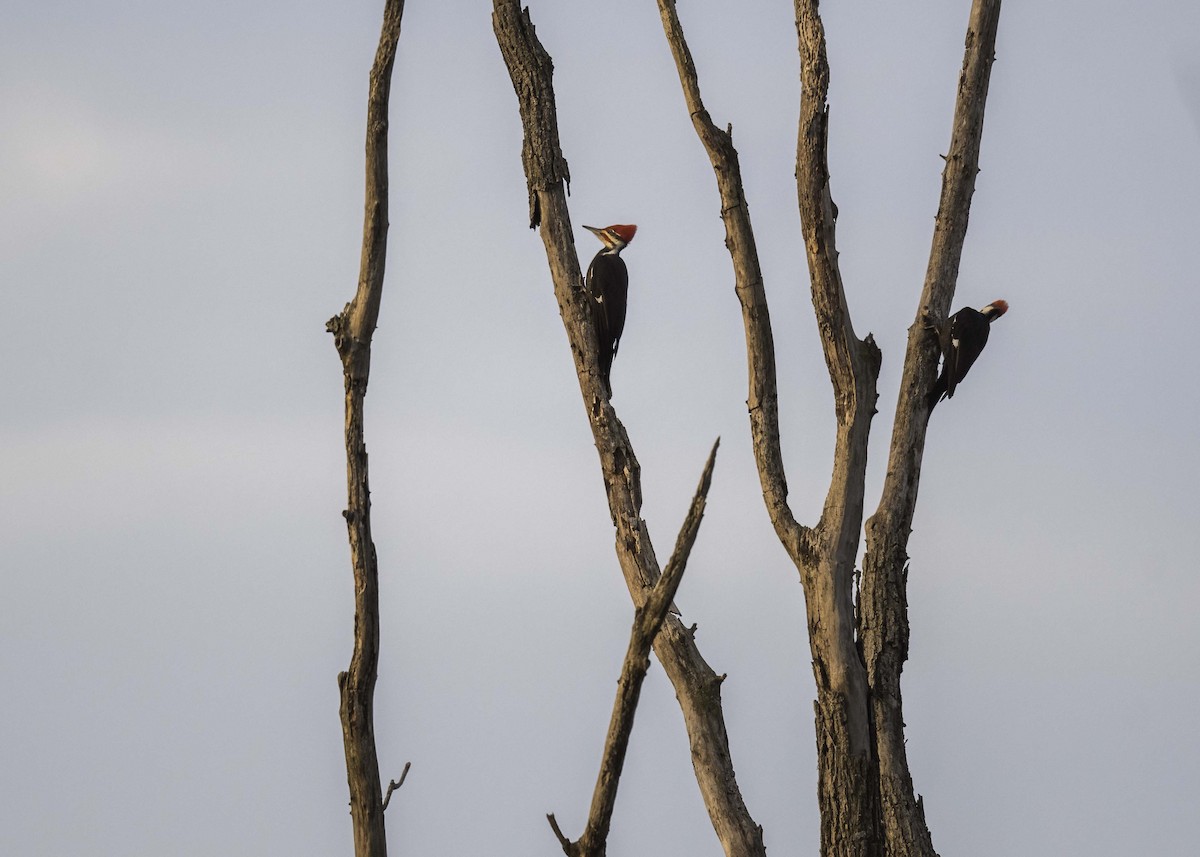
x,y
180,212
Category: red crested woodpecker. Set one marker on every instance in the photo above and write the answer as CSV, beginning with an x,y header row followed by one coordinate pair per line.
x,y
961,339
608,288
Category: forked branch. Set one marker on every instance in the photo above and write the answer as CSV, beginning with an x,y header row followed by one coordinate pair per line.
x,y
823,555
851,784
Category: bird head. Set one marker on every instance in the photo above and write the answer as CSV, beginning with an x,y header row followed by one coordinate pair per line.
x,y
615,237
995,309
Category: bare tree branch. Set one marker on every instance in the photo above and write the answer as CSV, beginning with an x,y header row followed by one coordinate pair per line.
x,y
352,330
852,363
647,621
763,399
697,687
883,601
664,590
395,784
566,844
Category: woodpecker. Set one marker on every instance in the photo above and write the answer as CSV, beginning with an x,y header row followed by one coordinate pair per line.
x,y
962,338
608,289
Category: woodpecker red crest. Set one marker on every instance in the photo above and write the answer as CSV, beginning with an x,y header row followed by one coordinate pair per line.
x,y
625,231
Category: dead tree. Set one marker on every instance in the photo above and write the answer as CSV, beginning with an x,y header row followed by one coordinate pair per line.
x,y
865,792
352,330
697,686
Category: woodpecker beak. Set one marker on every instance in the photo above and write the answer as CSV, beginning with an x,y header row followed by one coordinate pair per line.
x,y
615,238
606,236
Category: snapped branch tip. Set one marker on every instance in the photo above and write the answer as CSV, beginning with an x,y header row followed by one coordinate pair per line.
x,y
562,840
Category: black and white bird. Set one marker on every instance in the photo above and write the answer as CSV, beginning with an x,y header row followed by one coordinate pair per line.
x,y
961,339
608,288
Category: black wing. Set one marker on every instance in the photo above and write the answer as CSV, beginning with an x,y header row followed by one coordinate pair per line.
x,y
608,286
969,329
961,339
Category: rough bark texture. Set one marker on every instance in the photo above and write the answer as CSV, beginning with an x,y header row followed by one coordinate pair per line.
x,y
647,621
697,687
352,330
847,773
865,792
883,599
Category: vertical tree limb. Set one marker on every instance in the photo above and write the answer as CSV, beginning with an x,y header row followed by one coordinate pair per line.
x,y
647,621
763,399
847,791
697,687
352,330
883,600
824,555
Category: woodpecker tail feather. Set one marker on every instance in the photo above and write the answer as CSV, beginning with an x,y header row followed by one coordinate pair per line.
x,y
605,360
938,392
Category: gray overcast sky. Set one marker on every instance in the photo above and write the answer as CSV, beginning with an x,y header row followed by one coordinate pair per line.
x,y
180,212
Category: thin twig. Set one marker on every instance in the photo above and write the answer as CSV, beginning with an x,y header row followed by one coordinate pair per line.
x,y
395,784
